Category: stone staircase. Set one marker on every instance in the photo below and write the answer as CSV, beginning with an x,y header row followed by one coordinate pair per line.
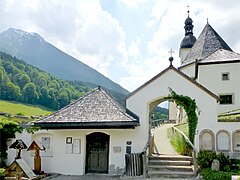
x,y
170,166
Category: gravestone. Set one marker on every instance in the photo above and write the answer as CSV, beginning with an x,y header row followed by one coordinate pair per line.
x,y
215,165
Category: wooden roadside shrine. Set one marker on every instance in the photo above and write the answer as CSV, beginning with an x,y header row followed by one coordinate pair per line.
x,y
37,159
19,168
18,145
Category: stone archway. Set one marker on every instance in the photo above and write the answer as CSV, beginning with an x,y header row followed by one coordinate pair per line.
x,y
161,142
142,99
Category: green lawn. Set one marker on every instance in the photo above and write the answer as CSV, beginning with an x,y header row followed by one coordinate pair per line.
x,y
232,116
14,108
183,128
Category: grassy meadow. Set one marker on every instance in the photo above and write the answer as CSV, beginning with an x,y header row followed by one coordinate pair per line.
x,y
16,108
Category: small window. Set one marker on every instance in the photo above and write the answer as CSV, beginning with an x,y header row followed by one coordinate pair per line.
x,y
225,76
226,99
46,142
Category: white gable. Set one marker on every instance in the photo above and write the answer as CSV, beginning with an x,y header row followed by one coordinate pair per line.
x,y
153,92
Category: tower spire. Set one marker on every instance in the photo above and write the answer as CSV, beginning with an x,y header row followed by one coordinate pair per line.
x,y
188,39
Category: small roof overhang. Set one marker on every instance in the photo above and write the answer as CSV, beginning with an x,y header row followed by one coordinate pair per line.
x,y
88,125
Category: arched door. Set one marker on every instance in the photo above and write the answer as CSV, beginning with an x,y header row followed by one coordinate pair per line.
x,y
97,153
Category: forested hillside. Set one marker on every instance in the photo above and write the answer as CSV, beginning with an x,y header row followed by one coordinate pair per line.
x,y
34,50
24,83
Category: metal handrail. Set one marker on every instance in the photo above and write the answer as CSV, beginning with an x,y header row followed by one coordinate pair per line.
x,y
147,145
184,135
195,151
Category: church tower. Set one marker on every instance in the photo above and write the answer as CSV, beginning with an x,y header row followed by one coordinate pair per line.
x,y
188,39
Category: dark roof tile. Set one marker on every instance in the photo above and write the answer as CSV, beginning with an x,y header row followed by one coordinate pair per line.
x,y
208,42
97,106
221,55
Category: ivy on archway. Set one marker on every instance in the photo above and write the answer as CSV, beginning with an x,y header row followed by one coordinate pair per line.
x,y
190,107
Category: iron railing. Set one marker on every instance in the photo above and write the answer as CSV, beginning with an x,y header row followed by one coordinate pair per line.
x,y
194,153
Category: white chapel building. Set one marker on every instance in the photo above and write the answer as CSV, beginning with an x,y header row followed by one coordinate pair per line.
x,y
93,134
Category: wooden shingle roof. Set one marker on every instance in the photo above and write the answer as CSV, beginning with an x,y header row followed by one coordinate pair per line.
x,y
221,56
207,43
96,109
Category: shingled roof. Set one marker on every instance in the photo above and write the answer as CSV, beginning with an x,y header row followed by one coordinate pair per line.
x,y
207,43
96,109
221,56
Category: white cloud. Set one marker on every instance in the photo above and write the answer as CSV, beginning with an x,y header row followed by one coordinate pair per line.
x,y
133,3
133,49
80,28
84,30
142,71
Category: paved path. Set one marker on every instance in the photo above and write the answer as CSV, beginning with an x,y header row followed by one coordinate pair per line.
x,y
162,141
105,177
82,177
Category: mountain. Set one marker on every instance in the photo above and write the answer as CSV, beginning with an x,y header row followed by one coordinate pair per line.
x,y
34,50
161,110
22,82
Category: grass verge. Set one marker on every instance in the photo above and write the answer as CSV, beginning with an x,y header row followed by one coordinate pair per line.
x,y
14,108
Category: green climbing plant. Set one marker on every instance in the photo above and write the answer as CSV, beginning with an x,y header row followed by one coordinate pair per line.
x,y
8,129
190,108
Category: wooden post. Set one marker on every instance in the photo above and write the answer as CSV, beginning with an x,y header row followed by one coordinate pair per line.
x,y
194,162
37,159
37,162
18,175
144,165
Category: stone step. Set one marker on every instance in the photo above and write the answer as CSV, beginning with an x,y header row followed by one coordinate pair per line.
x,y
167,174
169,163
170,168
171,157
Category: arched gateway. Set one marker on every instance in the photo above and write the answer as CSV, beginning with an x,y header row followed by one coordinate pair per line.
x,y
146,97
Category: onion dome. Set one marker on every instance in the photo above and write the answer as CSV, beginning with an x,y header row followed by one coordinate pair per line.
x,y
189,39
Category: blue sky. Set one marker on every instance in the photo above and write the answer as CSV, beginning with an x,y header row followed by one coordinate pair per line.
x,y
126,40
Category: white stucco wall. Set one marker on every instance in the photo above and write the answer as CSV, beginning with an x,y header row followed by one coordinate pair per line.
x,y
157,89
211,77
56,160
189,70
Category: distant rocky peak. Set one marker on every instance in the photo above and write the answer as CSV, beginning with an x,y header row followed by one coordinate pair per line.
x,y
18,33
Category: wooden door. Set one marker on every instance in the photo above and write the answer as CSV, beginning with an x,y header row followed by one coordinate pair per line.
x,y
97,153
